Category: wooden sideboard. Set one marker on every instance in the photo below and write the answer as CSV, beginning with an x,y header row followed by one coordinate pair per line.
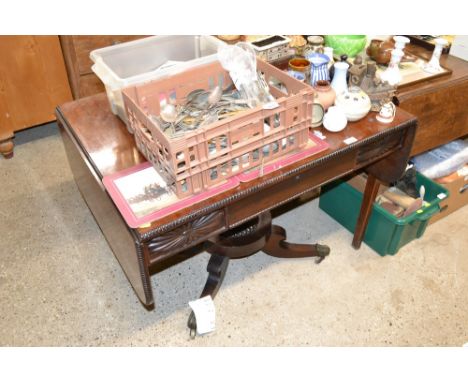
x,y
33,81
441,104
37,73
76,50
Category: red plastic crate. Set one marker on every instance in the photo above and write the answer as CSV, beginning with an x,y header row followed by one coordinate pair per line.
x,y
240,142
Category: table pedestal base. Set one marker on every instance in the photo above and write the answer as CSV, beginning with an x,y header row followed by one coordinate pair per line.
x,y
245,241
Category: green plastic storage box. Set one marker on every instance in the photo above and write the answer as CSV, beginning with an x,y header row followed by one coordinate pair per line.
x,y
385,233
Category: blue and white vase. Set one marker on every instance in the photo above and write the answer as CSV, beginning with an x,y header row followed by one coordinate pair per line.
x,y
318,67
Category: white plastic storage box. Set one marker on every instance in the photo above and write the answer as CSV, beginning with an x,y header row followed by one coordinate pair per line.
x,y
146,59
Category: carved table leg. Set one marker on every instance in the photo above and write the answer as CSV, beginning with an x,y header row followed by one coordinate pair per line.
x,y
6,148
258,234
277,246
237,243
217,267
370,192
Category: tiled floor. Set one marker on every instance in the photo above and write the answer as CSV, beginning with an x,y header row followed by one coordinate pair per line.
x,y
61,285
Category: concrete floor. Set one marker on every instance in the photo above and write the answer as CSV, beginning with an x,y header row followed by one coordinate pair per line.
x,y
61,285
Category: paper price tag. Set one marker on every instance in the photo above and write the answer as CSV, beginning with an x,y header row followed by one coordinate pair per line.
x,y
442,195
350,140
205,313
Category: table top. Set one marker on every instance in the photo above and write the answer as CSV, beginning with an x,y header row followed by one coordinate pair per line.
x,y
110,148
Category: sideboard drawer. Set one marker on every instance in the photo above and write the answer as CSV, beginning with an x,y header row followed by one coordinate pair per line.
x,y
86,44
76,50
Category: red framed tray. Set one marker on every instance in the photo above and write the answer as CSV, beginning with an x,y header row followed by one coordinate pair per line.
x,y
141,195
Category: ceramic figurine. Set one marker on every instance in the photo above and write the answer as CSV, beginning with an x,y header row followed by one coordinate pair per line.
x,y
378,91
433,66
339,83
392,74
357,72
387,112
324,93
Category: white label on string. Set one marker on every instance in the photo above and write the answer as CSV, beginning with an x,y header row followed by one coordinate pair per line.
x,y
350,140
442,195
205,313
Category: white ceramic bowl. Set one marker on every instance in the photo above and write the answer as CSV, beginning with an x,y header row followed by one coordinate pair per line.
x,y
354,102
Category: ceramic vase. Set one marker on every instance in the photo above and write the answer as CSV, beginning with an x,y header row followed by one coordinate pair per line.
x,y
392,75
324,93
335,119
433,66
314,44
339,83
354,102
318,67
299,68
328,51
380,51
400,42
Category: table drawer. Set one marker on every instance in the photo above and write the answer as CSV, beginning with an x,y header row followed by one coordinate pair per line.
x,y
290,188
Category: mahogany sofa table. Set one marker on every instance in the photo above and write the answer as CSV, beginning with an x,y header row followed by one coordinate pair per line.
x,y
235,223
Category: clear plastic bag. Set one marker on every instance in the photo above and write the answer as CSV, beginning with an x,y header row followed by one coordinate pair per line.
x,y
240,61
443,160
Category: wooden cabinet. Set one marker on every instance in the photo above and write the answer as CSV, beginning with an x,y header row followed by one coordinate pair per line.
x,y
76,49
33,81
38,73
441,104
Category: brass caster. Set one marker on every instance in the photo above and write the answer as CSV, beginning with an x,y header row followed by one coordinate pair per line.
x,y
323,251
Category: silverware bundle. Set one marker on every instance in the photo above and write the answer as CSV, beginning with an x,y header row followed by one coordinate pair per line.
x,y
202,107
